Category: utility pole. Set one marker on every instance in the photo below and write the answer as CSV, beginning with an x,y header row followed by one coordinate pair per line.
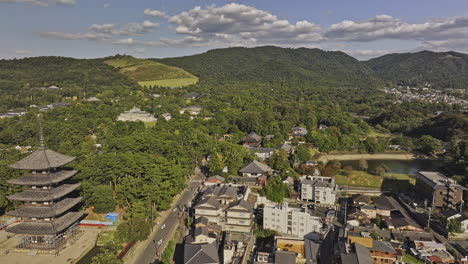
x,y
429,218
425,205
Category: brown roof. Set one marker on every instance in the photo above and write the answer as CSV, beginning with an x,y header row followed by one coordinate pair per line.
x,y
40,179
46,211
46,227
42,159
40,195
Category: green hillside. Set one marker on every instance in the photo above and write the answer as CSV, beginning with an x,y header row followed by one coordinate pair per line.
x,y
21,78
150,73
274,64
438,69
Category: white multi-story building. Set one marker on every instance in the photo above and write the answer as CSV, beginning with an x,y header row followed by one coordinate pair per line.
x,y
318,189
290,221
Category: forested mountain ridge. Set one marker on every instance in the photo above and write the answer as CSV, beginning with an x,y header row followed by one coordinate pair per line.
x,y
21,80
275,64
437,69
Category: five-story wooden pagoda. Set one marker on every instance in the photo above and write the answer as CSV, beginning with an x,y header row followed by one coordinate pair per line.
x,y
48,221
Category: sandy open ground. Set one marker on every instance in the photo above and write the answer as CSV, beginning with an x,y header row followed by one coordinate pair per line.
x,y
357,156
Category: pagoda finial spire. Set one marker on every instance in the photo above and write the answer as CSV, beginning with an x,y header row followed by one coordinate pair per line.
x,y
41,131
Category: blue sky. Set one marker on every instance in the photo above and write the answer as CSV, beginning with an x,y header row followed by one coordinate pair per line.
x,y
166,28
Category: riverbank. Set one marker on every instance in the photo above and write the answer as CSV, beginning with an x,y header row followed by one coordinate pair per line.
x,y
366,156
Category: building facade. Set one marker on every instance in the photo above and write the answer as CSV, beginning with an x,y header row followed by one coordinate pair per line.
x,y
135,114
318,189
439,190
290,221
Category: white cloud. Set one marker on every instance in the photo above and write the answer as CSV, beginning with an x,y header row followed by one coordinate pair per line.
x,y
75,36
23,52
155,13
387,27
107,5
40,2
240,24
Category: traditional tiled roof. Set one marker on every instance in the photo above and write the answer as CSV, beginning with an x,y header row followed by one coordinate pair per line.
x,y
286,147
255,167
382,246
40,179
201,221
220,191
201,254
240,203
209,202
40,195
252,137
46,211
46,227
42,159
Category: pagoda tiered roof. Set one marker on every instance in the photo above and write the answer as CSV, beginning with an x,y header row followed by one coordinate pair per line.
x,y
45,211
41,179
44,195
42,159
31,227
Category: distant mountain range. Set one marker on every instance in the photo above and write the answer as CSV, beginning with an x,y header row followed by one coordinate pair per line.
x,y
266,64
437,69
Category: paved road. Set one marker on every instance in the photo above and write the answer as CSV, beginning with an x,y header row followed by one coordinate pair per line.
x,y
165,230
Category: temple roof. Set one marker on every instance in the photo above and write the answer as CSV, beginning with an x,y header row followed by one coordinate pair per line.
x,y
42,159
39,179
41,195
45,211
31,227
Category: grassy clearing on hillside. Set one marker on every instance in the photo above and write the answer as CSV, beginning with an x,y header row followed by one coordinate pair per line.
x,y
374,133
170,82
148,73
390,182
410,259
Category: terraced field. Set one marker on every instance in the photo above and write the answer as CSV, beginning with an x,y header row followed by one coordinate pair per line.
x,y
150,73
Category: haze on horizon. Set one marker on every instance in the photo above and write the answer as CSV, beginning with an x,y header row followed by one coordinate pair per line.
x,y
164,28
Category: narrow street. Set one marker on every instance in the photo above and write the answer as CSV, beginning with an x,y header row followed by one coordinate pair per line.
x,y
164,232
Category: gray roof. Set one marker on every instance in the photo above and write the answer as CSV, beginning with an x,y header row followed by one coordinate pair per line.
x,y
286,147
363,254
200,231
40,179
46,227
40,195
261,150
42,159
382,246
252,137
219,191
241,203
208,201
46,211
255,167
192,95
201,254
361,198
201,220
285,257
299,131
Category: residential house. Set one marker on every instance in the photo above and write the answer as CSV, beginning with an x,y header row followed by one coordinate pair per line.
x,y
360,199
287,148
191,96
439,190
210,208
252,140
464,223
239,217
289,250
298,132
360,255
213,180
290,220
135,114
225,194
369,210
201,254
192,110
431,251
254,169
357,218
201,235
212,228
167,116
264,154
318,189
383,252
